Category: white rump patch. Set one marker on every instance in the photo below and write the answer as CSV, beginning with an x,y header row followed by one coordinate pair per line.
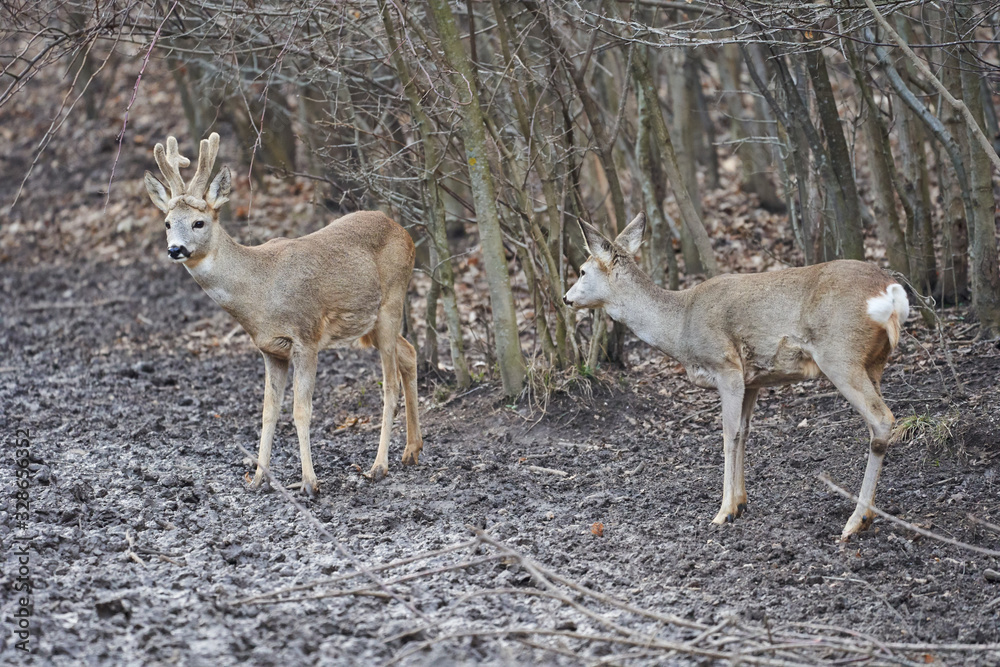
x,y
893,300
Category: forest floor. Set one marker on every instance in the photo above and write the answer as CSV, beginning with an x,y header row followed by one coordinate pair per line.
x,y
570,527
144,539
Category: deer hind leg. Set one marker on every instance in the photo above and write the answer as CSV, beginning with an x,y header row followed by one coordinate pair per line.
x,y
385,341
275,378
406,358
305,380
749,401
859,390
732,391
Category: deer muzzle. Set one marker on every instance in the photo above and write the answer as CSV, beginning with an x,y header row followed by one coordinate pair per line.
x,y
178,252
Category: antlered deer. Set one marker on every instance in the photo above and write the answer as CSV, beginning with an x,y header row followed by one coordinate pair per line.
x,y
739,333
345,283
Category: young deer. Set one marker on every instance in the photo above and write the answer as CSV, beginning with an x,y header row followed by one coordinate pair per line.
x,y
342,284
739,333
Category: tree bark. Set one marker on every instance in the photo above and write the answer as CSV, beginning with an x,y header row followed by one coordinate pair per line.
x,y
752,154
983,244
660,244
684,149
850,236
882,170
508,347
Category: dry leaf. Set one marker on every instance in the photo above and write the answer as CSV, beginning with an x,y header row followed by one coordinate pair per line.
x,y
597,529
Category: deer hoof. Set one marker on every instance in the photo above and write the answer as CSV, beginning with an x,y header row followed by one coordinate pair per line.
x,y
740,509
410,455
724,516
377,473
310,487
855,525
257,482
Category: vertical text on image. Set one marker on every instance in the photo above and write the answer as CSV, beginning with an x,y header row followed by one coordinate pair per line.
x,y
20,558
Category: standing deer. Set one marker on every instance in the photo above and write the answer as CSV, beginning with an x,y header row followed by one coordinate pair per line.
x,y
345,283
739,333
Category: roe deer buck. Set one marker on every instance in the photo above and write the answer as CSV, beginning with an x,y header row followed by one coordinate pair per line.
x,y
738,333
344,283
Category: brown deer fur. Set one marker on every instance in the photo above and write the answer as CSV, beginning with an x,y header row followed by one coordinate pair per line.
x,y
343,284
739,333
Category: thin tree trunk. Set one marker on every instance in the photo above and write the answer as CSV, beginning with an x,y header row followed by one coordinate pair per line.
x,y
684,149
882,167
707,155
954,282
752,154
850,236
508,346
798,148
602,140
659,241
983,243
692,221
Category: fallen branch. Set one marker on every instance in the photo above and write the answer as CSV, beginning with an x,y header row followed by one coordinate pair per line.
x,y
548,471
311,518
906,524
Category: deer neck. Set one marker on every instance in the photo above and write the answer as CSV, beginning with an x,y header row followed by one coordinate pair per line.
x,y
654,314
226,273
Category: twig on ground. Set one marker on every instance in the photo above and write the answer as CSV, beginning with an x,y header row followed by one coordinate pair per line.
x,y
311,518
548,471
907,524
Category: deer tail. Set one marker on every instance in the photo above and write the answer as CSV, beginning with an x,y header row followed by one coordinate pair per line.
x,y
890,310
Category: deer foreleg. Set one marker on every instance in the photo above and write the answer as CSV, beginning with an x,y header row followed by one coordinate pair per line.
x,y
731,390
305,379
275,377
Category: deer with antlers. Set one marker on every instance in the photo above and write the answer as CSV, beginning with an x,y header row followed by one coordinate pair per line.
x,y
343,284
740,333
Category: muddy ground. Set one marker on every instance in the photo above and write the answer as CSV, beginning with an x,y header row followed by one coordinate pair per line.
x,y
138,394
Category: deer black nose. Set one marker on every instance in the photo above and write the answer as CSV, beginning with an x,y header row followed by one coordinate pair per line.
x,y
178,251
567,301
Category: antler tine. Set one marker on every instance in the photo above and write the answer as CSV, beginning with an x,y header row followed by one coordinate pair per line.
x,y
206,160
170,161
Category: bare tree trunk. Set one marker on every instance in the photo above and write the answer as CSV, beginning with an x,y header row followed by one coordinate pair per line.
x,y
441,270
508,346
954,283
684,149
692,221
850,236
602,140
983,243
659,241
708,157
539,158
798,147
752,154
882,167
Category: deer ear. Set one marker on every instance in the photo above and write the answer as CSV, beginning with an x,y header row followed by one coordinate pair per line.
x,y
156,191
598,246
631,237
218,191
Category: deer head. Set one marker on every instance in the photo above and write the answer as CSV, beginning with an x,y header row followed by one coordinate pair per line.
x,y
610,265
193,209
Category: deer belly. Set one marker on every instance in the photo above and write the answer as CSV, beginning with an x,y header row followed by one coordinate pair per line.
x,y
342,329
791,362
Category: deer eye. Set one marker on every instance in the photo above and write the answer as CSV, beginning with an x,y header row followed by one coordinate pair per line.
x,y
167,224
582,273
198,224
